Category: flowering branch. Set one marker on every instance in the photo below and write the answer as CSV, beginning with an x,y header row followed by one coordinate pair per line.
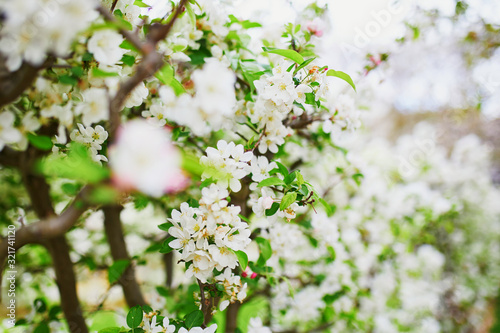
x,y
151,63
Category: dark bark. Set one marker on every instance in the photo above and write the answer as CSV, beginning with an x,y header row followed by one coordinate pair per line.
x,y
232,317
66,282
168,260
118,248
39,193
13,84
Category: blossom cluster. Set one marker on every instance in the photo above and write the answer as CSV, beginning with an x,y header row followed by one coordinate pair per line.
x,y
92,138
210,109
34,28
150,325
227,164
208,237
380,260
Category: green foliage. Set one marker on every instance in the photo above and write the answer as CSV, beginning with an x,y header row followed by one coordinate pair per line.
x,y
116,270
265,250
343,76
290,54
77,165
287,200
272,181
242,259
193,319
166,75
41,142
165,248
134,316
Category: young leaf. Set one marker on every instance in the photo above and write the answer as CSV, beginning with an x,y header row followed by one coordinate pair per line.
x,y
300,179
287,200
76,165
343,76
193,319
304,64
165,226
165,248
165,74
40,141
134,316
242,259
274,208
282,169
265,247
110,330
104,194
272,181
290,54
116,270
139,3
290,178
96,72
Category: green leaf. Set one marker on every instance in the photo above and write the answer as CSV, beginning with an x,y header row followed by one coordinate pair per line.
x,y
104,195
165,226
357,178
310,98
290,178
128,60
300,179
165,248
191,14
274,208
242,259
116,270
290,54
134,316
77,71
147,309
329,209
141,4
69,80
265,247
41,142
291,290
272,181
54,311
287,200
128,46
76,165
166,75
332,252
343,76
304,64
110,330
244,218
96,72
283,169
42,328
40,305
193,319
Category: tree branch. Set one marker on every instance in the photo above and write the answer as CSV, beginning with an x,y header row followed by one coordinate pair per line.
x,y
66,283
39,192
13,84
232,317
51,227
116,240
150,64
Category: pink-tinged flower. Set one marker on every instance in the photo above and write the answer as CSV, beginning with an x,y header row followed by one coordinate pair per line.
x,y
144,158
316,27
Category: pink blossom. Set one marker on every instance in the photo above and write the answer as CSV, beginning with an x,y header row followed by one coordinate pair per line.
x,y
143,158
